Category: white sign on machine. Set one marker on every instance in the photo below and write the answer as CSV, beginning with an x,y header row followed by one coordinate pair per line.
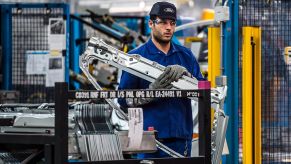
x,y
56,69
36,62
57,34
57,43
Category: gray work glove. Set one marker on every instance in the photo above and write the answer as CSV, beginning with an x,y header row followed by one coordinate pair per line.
x,y
160,83
175,72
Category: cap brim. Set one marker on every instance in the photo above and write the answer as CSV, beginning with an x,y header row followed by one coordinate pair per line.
x,y
167,17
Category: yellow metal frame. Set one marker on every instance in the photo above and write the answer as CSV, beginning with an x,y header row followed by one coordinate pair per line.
x,y
214,67
213,57
192,39
248,87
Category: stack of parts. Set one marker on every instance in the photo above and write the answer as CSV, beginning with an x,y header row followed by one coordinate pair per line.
x,y
218,144
100,147
97,141
93,118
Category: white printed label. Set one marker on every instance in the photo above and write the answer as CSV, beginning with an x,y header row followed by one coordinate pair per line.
x,y
135,131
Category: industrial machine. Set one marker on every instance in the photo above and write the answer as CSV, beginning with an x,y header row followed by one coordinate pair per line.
x,y
92,136
108,124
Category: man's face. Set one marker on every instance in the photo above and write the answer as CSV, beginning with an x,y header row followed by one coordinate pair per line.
x,y
162,29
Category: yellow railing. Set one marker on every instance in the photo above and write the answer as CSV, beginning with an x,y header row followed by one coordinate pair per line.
x,y
251,95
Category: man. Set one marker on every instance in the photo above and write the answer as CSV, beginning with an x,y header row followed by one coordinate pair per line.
x,y
171,117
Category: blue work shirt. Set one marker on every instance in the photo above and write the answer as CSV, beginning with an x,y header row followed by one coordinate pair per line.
x,y
171,117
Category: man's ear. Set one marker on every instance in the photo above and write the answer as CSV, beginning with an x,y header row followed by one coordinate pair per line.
x,y
151,23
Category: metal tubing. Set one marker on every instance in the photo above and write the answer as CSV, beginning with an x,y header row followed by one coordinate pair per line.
x,y
195,24
221,48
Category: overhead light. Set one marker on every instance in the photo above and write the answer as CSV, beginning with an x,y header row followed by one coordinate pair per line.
x,y
89,3
129,9
190,3
142,4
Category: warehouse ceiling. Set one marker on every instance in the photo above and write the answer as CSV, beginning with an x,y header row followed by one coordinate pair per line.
x,y
188,8
122,6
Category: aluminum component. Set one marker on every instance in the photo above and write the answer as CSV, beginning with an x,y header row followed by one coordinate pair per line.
x,y
218,135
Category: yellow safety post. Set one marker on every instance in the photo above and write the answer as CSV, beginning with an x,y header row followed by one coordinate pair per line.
x,y
213,57
214,67
258,84
251,95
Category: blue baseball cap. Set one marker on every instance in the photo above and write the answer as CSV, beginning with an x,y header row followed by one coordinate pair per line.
x,y
164,10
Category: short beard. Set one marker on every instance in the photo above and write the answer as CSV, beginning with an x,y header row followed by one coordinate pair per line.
x,y
161,41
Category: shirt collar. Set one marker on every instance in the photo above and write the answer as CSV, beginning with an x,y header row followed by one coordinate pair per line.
x,y
152,47
173,48
154,50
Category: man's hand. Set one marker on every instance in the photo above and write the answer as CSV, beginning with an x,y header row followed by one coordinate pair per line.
x,y
171,73
175,72
162,82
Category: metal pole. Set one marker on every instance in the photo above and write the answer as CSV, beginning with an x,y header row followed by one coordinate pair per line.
x,y
61,122
204,117
48,153
221,48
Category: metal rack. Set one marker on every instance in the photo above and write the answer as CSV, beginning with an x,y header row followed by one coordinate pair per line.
x,y
56,146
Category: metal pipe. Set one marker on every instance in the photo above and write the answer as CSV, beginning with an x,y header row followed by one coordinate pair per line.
x,y
195,24
221,48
